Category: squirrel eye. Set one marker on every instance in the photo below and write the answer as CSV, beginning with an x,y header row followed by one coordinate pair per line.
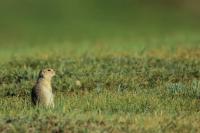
x,y
49,70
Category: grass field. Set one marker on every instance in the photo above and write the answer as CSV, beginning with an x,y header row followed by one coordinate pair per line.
x,y
134,87
139,72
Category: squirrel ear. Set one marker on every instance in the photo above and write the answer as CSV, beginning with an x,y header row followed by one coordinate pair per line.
x,y
41,74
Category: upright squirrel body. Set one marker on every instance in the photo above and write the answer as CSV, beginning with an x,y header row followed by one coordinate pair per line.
x,y
42,94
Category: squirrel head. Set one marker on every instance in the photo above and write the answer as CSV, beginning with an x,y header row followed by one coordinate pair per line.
x,y
47,73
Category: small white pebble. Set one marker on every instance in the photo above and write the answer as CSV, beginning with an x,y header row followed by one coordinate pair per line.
x,y
78,83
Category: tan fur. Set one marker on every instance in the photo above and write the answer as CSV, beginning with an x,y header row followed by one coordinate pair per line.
x,y
42,91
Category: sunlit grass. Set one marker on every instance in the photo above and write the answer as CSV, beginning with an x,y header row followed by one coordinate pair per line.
x,y
154,91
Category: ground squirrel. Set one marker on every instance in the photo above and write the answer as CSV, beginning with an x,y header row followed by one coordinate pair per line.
x,y
42,91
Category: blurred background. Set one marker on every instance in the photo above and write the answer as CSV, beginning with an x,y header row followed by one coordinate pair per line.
x,y
31,23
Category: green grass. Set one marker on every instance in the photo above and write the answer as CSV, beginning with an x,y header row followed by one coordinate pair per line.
x,y
138,63
155,90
